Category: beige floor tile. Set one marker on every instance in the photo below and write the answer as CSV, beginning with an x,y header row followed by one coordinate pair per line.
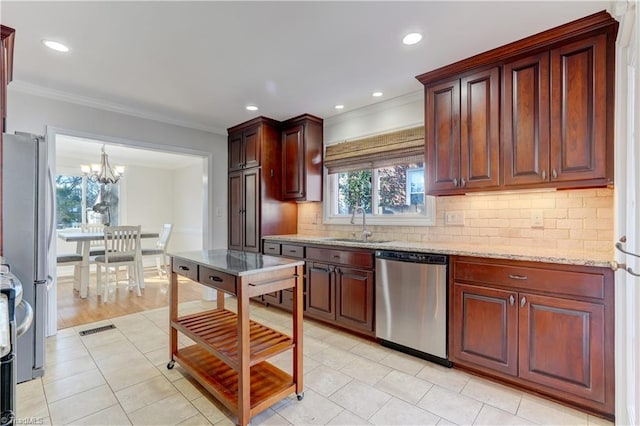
x,y
64,333
498,396
361,399
314,409
116,352
30,400
346,417
403,362
168,411
325,380
109,337
81,405
177,372
145,393
73,352
72,385
189,388
365,370
56,342
398,412
284,361
269,417
197,420
213,411
371,351
445,422
597,421
333,357
450,405
151,341
158,357
541,411
316,330
448,378
313,346
404,386
113,415
491,416
341,340
60,370
123,376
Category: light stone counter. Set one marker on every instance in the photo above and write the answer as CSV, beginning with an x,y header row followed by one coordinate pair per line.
x,y
533,254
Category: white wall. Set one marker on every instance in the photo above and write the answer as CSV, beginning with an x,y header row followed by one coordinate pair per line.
x,y
30,113
187,211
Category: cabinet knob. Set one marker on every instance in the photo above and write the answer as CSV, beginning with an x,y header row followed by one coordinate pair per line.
x,y
512,300
523,301
544,175
554,174
455,182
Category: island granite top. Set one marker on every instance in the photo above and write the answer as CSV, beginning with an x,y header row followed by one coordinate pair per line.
x,y
533,254
236,263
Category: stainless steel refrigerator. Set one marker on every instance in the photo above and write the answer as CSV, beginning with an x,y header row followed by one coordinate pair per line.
x,y
27,237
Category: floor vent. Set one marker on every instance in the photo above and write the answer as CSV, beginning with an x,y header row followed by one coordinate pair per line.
x,y
97,329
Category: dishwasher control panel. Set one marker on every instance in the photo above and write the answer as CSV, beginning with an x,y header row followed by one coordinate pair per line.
x,y
402,256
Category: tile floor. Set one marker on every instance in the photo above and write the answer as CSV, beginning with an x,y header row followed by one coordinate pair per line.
x,y
119,377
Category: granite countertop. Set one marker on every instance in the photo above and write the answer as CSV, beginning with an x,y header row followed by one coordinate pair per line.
x,y
532,254
236,263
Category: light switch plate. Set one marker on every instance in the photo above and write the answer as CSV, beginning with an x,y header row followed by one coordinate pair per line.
x,y
454,218
537,219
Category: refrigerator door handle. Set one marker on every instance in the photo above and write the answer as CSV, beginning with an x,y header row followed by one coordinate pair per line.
x,y
28,318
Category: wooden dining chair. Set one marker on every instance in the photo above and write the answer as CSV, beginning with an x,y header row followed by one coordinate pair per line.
x,y
121,244
160,251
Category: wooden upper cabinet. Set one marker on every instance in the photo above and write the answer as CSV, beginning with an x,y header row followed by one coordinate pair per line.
x,y
552,125
525,120
579,110
302,158
245,147
442,135
462,135
480,130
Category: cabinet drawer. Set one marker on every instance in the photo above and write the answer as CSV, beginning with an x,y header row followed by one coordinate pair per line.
x,y
291,250
363,259
271,248
217,279
185,268
575,283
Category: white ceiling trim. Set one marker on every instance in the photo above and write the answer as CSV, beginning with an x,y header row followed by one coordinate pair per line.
x,y
59,95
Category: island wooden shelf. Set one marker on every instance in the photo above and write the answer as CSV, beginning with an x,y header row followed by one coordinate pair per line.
x,y
229,357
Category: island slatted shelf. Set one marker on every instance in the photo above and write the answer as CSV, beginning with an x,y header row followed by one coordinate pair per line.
x,y
229,357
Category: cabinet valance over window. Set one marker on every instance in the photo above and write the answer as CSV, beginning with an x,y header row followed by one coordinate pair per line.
x,y
402,146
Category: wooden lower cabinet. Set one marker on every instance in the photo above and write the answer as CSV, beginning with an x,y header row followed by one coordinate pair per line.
x,y
354,298
321,293
545,327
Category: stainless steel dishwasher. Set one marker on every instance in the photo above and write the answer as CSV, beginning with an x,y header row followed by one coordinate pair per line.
x,y
411,303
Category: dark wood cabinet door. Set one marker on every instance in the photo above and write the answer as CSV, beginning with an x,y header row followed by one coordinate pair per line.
x,y
235,151
579,110
442,136
321,297
562,345
485,327
251,145
236,223
354,298
293,163
272,298
525,121
251,210
480,130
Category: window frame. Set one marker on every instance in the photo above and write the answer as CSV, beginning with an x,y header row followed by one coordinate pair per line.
x,y
331,198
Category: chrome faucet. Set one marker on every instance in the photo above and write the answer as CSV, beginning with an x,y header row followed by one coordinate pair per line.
x,y
365,234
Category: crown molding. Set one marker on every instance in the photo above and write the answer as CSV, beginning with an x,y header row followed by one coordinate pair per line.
x,y
59,95
375,108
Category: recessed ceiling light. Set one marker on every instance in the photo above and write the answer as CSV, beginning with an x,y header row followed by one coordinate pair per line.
x,y
251,108
339,106
376,94
55,45
412,38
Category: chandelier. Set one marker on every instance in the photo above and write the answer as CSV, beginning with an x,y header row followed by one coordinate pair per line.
x,y
103,173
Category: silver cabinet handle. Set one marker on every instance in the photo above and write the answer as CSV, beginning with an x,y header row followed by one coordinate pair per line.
x,y
455,182
28,318
554,174
463,182
518,277
512,300
523,301
544,175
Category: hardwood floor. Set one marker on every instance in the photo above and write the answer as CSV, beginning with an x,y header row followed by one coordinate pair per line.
x,y
72,310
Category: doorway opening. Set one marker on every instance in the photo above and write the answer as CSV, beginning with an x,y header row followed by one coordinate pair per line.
x,y
159,185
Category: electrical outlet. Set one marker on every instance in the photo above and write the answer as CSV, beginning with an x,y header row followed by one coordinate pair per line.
x,y
454,218
537,219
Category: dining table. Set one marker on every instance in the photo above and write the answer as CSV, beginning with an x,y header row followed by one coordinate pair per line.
x,y
83,243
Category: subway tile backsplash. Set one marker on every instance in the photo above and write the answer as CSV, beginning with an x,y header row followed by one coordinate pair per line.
x,y
580,219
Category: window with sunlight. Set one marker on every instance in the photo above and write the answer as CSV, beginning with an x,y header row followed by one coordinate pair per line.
x,y
75,197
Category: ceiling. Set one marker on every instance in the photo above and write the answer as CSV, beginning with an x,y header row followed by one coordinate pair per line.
x,y
198,64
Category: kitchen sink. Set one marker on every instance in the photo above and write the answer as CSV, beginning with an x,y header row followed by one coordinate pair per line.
x,y
357,240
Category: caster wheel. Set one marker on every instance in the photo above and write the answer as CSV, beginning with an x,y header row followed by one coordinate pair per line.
x,y
300,396
170,365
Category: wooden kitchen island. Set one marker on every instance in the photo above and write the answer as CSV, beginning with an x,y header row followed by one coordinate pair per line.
x,y
230,353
